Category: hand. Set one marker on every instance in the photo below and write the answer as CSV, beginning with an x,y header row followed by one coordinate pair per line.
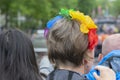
x,y
105,73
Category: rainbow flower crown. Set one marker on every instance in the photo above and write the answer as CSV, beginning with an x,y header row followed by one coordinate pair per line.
x,y
87,26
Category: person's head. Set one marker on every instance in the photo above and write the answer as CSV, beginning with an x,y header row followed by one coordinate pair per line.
x,y
109,44
68,45
17,57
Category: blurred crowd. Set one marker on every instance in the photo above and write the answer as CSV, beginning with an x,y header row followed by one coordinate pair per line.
x,y
70,47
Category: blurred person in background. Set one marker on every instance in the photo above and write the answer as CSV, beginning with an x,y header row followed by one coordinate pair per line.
x,y
110,55
109,44
45,67
40,47
108,29
17,57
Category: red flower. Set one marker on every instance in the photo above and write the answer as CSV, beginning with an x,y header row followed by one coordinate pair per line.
x,y
93,38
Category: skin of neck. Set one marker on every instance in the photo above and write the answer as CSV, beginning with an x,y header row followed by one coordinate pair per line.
x,y
78,69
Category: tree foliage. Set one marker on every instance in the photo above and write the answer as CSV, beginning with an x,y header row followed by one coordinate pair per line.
x,y
37,12
86,6
116,7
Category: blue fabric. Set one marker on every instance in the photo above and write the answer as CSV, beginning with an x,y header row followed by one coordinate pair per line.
x,y
118,76
111,60
50,23
112,53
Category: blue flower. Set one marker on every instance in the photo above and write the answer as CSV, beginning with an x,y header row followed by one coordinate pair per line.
x,y
50,23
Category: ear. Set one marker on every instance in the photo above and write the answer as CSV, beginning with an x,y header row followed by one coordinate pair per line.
x,y
100,57
85,61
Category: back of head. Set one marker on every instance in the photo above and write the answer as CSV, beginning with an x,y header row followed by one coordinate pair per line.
x,y
111,43
68,37
17,57
66,42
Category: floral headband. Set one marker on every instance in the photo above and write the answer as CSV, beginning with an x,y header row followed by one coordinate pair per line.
x,y
87,25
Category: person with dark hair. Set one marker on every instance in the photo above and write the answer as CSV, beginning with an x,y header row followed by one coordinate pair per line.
x,y
17,57
71,38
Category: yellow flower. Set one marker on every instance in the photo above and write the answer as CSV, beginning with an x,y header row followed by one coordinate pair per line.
x,y
83,28
89,23
77,15
86,22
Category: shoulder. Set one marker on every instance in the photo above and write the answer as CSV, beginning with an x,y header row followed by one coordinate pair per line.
x,y
65,75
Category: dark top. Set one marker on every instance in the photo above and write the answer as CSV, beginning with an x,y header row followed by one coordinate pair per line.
x,y
61,74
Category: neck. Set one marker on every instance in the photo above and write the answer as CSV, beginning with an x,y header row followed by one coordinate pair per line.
x,y
79,69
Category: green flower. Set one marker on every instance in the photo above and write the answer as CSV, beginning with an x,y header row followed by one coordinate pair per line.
x,y
65,13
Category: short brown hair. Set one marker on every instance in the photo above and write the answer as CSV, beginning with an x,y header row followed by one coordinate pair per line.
x,y
66,42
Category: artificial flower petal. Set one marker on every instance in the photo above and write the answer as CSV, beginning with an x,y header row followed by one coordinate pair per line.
x,y
64,12
77,16
93,38
46,30
83,28
89,23
51,22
